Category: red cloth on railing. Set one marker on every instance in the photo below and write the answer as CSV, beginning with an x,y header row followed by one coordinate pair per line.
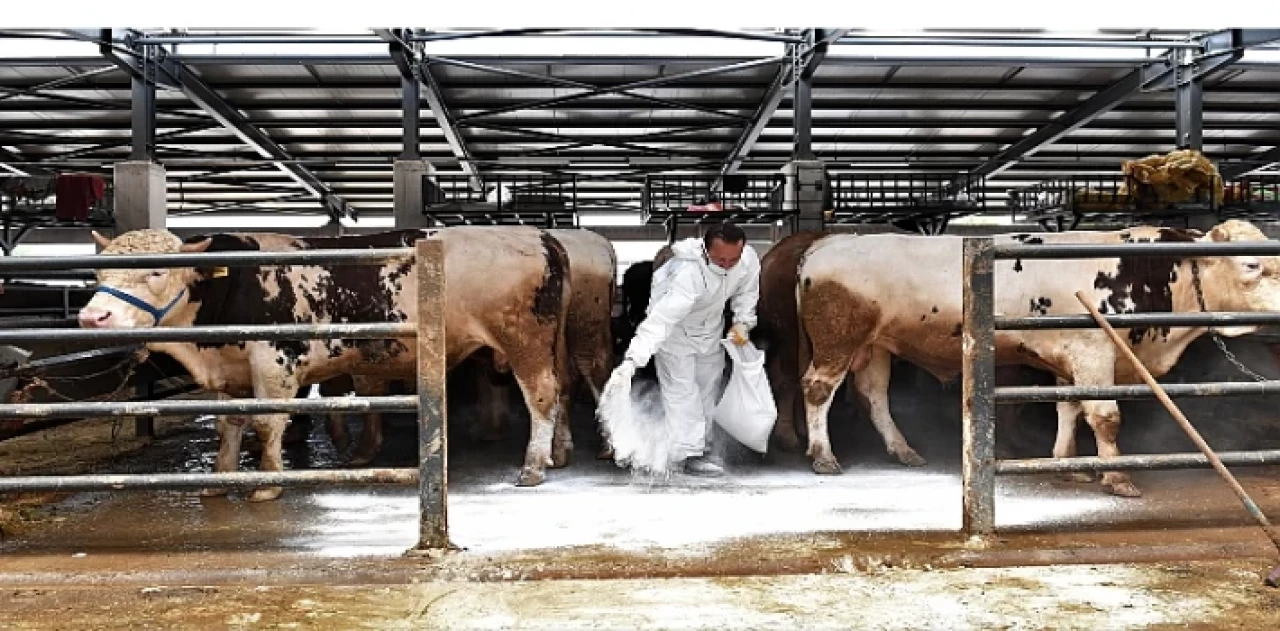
x,y
77,193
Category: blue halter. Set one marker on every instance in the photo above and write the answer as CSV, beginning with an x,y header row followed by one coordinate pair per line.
x,y
158,314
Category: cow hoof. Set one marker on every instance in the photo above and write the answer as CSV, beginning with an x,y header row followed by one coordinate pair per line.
x,y
1124,489
561,458
910,458
1082,477
605,453
213,492
827,467
266,494
529,477
359,460
789,443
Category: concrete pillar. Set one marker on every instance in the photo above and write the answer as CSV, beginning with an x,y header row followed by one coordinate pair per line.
x,y
409,194
806,189
140,196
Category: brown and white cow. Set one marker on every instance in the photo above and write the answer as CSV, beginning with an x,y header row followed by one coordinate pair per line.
x,y
593,268
506,288
865,298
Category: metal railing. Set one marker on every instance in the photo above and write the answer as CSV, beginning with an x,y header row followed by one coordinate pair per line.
x,y
429,402
980,394
675,200
543,201
1064,203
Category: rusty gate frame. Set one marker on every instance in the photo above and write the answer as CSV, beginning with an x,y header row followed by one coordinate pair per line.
x,y
429,403
980,394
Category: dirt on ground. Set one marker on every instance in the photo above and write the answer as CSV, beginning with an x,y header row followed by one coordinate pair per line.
x,y
75,448
1207,595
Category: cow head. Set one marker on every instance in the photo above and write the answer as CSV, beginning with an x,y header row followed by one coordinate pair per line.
x,y
140,298
1239,283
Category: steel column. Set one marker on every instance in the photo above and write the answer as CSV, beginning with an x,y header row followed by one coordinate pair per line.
x,y
1189,108
802,127
433,453
143,113
411,122
978,472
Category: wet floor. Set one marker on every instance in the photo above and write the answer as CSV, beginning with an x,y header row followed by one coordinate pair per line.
x,y
592,503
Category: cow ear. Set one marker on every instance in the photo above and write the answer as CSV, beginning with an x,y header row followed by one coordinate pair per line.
x,y
102,241
196,246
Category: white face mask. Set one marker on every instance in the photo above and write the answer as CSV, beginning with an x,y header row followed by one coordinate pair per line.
x,y
710,265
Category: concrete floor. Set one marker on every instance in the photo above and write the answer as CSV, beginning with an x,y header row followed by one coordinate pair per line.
x,y
771,546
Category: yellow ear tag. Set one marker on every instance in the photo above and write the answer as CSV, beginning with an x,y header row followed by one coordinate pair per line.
x,y
219,272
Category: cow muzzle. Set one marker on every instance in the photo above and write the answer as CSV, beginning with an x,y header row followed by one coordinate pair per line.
x,y
91,318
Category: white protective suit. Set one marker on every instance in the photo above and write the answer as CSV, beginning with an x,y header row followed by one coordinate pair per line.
x,y
682,332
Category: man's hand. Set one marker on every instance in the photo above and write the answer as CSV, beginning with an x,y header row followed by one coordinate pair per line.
x,y
738,334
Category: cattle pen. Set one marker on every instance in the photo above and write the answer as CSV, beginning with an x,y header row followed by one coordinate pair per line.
x,y
428,403
981,395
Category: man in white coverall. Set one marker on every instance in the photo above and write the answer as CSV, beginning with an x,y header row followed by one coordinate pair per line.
x,y
683,329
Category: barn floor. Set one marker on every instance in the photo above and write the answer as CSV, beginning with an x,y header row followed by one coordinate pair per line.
x,y
771,546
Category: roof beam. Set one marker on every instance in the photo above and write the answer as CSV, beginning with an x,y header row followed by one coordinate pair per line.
x,y
1252,163
1097,105
210,101
777,91
447,124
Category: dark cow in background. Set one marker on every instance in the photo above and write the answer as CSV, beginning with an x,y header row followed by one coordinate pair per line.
x,y
507,289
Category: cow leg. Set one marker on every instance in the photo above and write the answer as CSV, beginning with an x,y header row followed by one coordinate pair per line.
x,y
872,383
230,433
1064,446
336,424
819,384
562,440
270,428
540,388
371,433
1104,418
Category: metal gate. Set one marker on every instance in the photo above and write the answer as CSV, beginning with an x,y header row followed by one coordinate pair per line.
x,y
429,402
980,396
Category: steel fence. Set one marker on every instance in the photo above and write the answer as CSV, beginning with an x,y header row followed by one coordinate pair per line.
x,y
429,402
980,394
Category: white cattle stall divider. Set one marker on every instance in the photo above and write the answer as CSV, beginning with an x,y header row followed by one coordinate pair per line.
x,y
429,331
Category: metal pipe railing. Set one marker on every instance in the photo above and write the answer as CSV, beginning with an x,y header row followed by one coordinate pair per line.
x,y
429,330
371,256
215,334
980,466
1139,462
179,481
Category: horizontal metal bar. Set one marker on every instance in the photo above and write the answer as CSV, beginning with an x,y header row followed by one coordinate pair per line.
x,y
371,256
1013,42
1043,394
214,334
246,407
258,39
1139,462
1115,250
230,479
1131,320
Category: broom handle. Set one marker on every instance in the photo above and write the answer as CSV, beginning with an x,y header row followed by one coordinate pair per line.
x,y
1187,427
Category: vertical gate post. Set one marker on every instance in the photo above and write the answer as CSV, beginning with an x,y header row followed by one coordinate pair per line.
x,y
432,451
978,474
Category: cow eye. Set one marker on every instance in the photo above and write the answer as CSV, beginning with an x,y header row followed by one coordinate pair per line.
x,y
157,274
1253,267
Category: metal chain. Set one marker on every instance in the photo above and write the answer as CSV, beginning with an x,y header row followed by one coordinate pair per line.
x,y
1217,339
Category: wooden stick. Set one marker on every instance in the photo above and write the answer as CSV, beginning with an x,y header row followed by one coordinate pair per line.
x,y
1187,427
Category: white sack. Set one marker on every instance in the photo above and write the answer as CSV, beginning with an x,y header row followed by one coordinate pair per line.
x,y
746,409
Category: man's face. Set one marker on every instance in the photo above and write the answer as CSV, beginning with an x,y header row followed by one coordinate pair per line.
x,y
725,255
